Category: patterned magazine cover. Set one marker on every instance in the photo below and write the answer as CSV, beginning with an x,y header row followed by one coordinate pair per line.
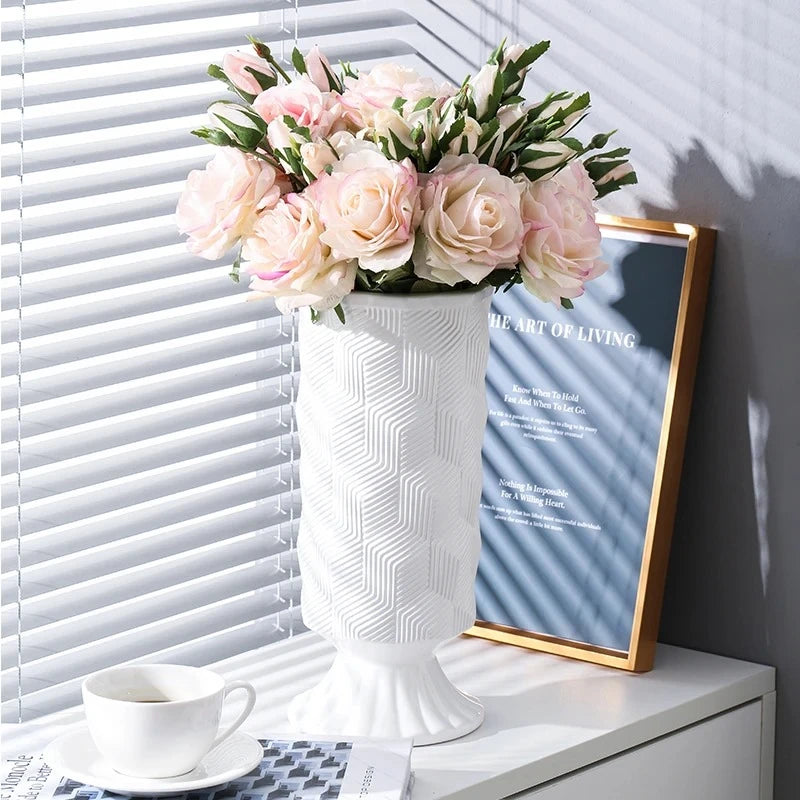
x,y
290,770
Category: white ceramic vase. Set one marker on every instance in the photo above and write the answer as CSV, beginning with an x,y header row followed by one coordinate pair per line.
x,y
391,414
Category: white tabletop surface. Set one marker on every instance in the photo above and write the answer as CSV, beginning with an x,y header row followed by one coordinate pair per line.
x,y
545,716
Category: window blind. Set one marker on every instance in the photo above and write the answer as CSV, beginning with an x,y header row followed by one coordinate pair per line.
x,y
149,491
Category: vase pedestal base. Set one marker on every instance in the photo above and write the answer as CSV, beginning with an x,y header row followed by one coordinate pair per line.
x,y
386,691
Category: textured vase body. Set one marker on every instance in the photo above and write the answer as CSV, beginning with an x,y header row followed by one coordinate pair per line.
x,y
391,413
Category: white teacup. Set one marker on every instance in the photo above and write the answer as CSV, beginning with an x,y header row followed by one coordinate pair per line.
x,y
158,720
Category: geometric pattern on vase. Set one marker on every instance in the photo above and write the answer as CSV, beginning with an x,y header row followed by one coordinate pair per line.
x,y
391,412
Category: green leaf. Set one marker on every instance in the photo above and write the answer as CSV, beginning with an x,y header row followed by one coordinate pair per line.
x,y
249,137
567,303
573,144
398,103
531,54
314,315
401,151
612,186
418,134
214,136
333,82
424,103
533,154
237,263
488,131
339,311
597,169
264,81
496,56
618,152
299,62
216,72
456,129
348,70
496,95
580,102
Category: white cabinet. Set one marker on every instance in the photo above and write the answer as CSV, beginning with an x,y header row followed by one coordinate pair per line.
x,y
698,727
719,759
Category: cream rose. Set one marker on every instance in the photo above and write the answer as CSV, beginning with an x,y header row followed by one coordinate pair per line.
x,y
303,101
288,260
220,203
561,248
471,223
370,207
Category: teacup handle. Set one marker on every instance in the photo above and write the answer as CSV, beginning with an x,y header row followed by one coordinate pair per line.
x,y
231,686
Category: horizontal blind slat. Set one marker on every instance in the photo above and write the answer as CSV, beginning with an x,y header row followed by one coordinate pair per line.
x,y
197,652
60,416
37,388
140,642
64,477
170,515
355,22
41,515
172,592
158,295
52,449
56,23
112,572
80,348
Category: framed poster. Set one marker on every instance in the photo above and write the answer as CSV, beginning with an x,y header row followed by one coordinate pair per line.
x,y
588,413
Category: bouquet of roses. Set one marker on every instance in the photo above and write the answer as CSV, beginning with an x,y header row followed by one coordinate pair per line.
x,y
335,181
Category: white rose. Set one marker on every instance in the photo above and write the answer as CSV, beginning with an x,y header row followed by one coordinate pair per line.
x,y
288,260
482,86
568,121
471,133
316,156
549,156
221,203
471,223
511,53
370,207
616,173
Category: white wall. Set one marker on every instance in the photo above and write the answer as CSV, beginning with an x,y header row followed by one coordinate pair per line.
x,y
707,94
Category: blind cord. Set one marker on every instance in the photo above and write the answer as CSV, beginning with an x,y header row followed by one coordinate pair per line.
x,y
19,358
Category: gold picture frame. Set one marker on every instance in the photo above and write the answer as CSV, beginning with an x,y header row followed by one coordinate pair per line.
x,y
663,499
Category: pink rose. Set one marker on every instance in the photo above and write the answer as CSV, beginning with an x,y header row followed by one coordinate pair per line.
x,y
237,66
318,68
288,260
370,207
220,203
302,101
471,223
561,248
378,88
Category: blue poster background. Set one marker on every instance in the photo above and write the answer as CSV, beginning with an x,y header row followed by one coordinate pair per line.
x,y
575,418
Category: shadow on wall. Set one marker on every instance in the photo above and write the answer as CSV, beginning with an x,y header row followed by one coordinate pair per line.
x,y
735,565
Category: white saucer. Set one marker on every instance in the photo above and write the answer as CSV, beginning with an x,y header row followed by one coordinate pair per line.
x,y
75,756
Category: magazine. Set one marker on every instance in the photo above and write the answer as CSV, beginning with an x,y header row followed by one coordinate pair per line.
x,y
300,769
